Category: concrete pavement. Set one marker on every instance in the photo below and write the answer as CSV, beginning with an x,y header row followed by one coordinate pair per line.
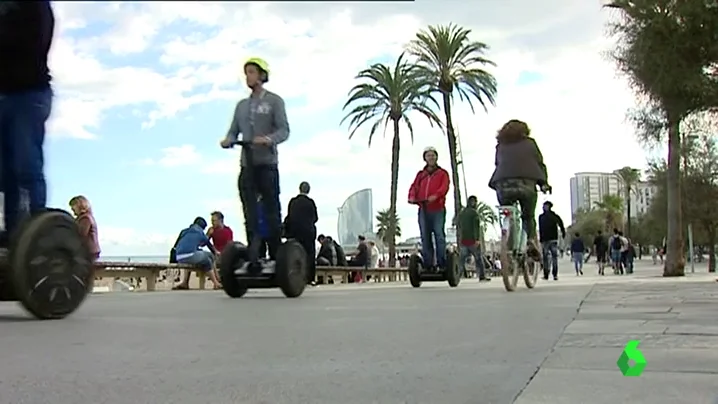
x,y
350,344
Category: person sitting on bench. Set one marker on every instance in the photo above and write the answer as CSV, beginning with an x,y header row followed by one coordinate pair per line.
x,y
188,250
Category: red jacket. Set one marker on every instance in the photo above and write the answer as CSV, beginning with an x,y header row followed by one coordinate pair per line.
x,y
430,183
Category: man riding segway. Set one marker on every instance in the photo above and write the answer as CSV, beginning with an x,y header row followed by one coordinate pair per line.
x,y
262,120
429,190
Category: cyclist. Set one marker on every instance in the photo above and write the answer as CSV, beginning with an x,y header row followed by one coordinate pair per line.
x,y
519,169
429,190
262,120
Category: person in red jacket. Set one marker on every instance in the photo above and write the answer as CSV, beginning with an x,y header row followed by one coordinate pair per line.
x,y
429,191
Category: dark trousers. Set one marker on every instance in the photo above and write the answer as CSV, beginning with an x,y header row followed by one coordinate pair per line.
x,y
264,182
310,248
22,135
524,192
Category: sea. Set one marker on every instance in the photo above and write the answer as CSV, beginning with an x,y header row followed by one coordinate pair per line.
x,y
151,259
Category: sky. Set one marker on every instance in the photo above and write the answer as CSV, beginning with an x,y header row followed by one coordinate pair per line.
x,y
145,91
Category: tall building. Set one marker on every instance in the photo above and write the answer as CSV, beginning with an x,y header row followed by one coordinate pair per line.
x,y
641,198
356,217
590,187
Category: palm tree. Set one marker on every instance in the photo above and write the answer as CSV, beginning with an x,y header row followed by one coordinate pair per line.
x,y
453,63
611,207
385,220
487,216
388,96
629,178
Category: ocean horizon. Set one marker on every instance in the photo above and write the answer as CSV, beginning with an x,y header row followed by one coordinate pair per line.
x,y
153,259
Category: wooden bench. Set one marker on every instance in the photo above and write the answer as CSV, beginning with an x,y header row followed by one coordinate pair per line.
x,y
149,271
377,274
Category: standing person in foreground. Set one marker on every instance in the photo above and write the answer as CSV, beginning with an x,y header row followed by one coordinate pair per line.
x,y
219,234
577,251
301,225
519,169
26,31
600,248
470,234
86,222
429,190
262,120
549,224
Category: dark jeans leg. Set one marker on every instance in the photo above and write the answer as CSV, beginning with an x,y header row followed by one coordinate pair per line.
x,y
22,135
310,249
438,220
527,201
267,181
248,196
427,244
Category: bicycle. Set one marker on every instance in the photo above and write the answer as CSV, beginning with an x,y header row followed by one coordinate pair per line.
x,y
514,259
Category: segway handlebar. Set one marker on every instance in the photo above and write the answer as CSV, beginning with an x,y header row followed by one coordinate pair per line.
x,y
240,143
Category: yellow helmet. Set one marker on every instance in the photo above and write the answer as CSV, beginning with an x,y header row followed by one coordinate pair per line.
x,y
261,64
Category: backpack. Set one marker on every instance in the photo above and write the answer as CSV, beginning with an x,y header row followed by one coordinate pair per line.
x,y
616,243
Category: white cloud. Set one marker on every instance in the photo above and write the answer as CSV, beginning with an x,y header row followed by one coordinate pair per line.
x,y
118,241
175,156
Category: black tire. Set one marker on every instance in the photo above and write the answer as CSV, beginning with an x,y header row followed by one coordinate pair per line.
x,y
531,270
509,268
233,256
50,267
415,266
291,269
453,274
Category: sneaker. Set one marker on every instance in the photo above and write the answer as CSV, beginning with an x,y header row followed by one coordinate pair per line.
x,y
312,283
580,272
484,279
555,278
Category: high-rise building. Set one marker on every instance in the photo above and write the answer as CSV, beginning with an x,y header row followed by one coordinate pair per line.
x,y
641,198
590,187
356,217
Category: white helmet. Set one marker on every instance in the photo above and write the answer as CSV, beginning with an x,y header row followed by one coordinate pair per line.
x,y
430,149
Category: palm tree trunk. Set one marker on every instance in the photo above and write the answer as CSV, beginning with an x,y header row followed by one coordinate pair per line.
x,y
451,136
392,203
675,262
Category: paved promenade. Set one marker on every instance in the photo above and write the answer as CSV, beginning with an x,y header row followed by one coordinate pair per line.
x,y
375,343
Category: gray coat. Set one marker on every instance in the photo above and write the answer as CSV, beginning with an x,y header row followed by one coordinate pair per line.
x,y
270,119
519,160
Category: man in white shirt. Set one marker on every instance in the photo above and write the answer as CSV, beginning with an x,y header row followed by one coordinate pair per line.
x,y
373,255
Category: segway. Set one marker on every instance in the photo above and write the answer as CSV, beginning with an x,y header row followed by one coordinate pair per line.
x,y
420,269
48,269
241,270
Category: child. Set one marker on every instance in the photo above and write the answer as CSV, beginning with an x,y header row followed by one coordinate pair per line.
x,y
86,222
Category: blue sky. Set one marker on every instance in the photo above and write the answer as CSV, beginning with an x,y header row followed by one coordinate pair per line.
x,y
145,92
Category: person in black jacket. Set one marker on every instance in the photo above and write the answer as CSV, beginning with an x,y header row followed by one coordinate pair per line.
x,y
301,225
549,224
26,31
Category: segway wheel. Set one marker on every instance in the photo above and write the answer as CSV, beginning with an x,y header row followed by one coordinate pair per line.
x,y
233,256
531,271
291,269
415,265
50,267
453,274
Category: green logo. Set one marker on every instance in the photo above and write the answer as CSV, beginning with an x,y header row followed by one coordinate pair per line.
x,y
631,353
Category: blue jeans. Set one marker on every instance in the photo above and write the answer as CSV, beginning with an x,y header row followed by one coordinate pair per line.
x,y
432,223
577,260
22,135
550,252
464,253
201,258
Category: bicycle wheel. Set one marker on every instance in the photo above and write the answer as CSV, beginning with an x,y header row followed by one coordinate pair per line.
x,y
509,268
531,270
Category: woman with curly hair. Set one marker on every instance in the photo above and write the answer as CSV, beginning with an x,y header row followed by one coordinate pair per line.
x,y
519,169
86,222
